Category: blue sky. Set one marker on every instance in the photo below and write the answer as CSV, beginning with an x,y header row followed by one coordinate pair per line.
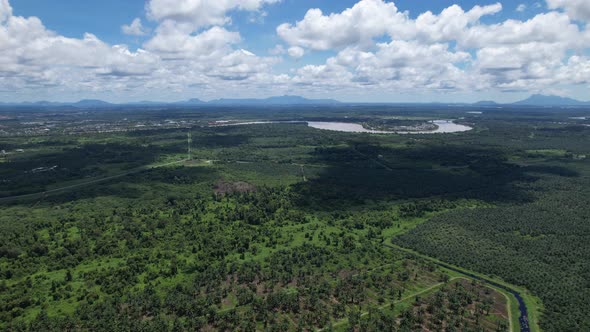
x,y
73,18
367,50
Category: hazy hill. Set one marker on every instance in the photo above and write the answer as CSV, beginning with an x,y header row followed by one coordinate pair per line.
x,y
279,100
544,100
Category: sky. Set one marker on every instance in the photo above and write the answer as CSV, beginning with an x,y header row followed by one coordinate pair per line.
x,y
355,51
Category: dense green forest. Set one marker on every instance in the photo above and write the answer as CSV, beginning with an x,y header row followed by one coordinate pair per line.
x,y
282,227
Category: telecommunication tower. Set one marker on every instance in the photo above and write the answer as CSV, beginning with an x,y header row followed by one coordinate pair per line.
x,y
190,141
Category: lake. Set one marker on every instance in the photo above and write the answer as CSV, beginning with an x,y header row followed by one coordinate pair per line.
x,y
444,127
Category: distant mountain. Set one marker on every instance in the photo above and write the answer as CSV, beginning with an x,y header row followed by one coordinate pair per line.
x,y
95,103
91,103
293,100
485,103
44,103
282,100
193,101
534,100
146,103
543,100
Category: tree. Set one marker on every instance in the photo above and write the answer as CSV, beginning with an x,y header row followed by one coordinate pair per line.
x,y
68,277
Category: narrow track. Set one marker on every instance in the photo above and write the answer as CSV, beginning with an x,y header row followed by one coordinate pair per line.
x,y
522,308
42,194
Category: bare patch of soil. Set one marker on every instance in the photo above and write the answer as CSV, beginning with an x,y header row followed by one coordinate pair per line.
x,y
224,187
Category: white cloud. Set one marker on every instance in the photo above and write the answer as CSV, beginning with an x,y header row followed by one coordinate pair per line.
x,y
576,9
521,8
33,58
191,36
366,20
134,29
329,77
509,55
296,52
577,70
277,50
550,27
400,65
526,65
375,48
258,17
240,65
5,10
173,40
450,24
200,13
369,19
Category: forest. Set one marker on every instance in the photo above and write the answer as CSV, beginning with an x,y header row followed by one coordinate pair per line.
x,y
283,227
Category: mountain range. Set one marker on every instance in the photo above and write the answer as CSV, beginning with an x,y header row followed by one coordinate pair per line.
x,y
542,100
94,103
536,100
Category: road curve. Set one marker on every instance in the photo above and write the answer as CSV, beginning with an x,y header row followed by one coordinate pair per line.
x,y
523,319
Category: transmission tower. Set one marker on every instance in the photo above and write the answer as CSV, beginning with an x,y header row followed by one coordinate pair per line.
x,y
190,141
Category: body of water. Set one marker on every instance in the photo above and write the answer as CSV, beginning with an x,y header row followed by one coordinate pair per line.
x,y
444,127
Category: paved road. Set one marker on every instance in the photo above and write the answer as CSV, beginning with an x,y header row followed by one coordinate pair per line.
x,y
86,183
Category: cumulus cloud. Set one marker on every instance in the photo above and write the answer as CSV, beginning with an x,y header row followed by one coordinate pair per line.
x,y
200,13
451,24
366,20
32,56
194,29
296,52
521,8
277,50
450,51
240,65
370,19
577,70
395,65
176,41
5,10
175,58
550,27
135,28
374,47
576,9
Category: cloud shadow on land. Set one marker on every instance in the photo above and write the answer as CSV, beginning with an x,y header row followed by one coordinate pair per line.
x,y
84,167
154,184
359,174
41,172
